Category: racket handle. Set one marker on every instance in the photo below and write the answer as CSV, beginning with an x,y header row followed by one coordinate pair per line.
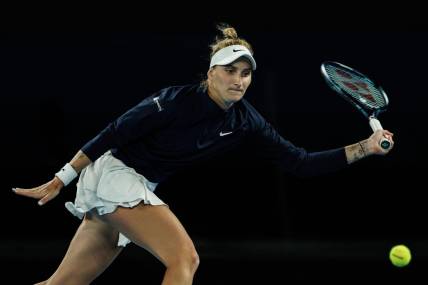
x,y
375,124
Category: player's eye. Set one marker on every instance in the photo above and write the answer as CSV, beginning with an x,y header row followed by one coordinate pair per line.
x,y
246,73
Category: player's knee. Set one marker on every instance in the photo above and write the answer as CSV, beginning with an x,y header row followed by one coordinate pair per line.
x,y
187,260
194,261
190,259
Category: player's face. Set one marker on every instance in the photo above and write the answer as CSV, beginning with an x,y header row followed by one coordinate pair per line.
x,y
227,83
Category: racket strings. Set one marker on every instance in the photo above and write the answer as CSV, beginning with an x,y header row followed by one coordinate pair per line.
x,y
360,88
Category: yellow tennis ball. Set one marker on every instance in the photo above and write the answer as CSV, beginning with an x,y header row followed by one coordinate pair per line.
x,y
400,255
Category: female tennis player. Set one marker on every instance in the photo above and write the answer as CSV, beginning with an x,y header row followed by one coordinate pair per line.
x,y
173,128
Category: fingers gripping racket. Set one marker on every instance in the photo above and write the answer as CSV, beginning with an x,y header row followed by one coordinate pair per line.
x,y
358,90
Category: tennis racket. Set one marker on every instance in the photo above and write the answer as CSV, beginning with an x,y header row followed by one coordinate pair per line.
x,y
360,91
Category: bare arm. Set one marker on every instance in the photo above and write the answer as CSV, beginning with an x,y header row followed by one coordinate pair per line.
x,y
80,161
50,190
355,152
370,146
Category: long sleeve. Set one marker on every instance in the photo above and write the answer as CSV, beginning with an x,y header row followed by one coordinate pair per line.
x,y
271,146
150,114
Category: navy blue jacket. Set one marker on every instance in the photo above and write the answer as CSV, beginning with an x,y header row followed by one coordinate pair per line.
x,y
180,125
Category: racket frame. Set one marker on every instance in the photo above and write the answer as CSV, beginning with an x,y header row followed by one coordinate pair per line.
x,y
370,113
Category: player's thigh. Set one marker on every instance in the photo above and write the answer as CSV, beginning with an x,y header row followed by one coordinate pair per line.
x,y
91,251
157,229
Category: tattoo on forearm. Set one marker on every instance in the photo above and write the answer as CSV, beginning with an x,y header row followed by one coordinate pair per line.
x,y
364,147
355,152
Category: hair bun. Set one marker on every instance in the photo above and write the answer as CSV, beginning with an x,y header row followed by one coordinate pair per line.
x,y
230,33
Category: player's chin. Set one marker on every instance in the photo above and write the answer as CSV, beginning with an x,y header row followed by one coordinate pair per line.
x,y
236,95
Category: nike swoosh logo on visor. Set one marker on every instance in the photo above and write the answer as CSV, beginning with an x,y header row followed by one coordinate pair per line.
x,y
236,50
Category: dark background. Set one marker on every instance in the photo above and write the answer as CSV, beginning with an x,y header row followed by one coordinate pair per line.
x,y
60,88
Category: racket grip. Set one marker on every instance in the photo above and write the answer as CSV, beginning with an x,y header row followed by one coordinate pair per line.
x,y
375,124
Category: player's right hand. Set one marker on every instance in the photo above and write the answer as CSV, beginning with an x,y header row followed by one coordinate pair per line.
x,y
43,193
373,144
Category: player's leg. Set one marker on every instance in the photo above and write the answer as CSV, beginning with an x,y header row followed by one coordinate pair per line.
x,y
158,230
91,251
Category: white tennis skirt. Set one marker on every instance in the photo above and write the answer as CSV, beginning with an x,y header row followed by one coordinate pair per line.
x,y
108,183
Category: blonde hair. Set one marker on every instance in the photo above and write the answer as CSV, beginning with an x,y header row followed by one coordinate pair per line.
x,y
229,37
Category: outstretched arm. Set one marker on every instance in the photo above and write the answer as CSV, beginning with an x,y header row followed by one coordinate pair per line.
x,y
304,164
50,190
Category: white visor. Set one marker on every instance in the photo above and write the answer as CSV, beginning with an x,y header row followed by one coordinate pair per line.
x,y
229,54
